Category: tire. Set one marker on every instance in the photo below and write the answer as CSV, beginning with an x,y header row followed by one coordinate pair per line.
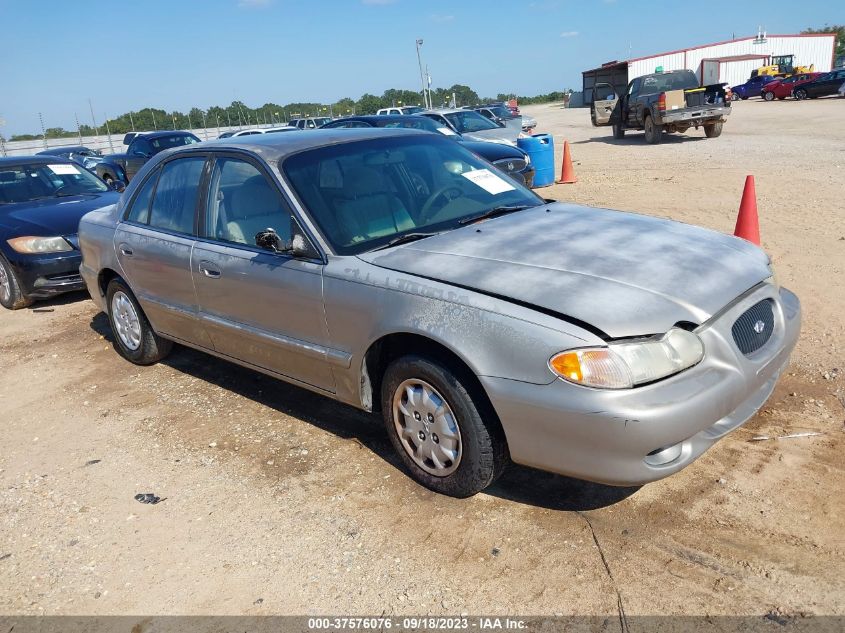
x,y
713,130
11,295
768,96
618,132
471,433
652,132
734,96
593,119
800,95
744,98
134,339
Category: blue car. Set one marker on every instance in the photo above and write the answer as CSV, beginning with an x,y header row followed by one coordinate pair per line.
x,y
751,88
42,199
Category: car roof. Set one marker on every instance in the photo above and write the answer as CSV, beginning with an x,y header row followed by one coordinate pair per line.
x,y
161,133
385,118
272,147
63,150
445,110
34,160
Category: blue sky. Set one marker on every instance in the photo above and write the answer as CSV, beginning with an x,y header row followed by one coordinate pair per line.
x,y
178,53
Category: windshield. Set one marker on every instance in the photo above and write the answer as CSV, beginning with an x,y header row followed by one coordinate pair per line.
x,y
364,194
469,121
652,84
417,123
411,109
501,112
322,121
22,183
160,143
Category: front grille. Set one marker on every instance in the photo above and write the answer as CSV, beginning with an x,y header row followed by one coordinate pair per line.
x,y
509,165
754,327
65,277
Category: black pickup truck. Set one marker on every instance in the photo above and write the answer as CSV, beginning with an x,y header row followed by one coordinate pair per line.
x,y
142,147
662,102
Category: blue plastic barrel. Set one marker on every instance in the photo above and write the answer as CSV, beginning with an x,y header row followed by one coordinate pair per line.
x,y
541,149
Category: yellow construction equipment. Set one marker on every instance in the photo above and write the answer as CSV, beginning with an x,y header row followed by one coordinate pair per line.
x,y
782,66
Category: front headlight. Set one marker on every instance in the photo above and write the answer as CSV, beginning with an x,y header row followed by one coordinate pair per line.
x,y
625,365
38,245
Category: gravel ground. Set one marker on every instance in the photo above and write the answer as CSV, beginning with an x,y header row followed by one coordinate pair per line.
x,y
277,501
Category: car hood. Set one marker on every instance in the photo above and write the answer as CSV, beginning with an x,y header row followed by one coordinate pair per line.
x,y
493,151
52,216
507,135
621,273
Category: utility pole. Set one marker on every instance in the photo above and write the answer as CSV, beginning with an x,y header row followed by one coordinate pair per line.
x,y
78,128
93,120
422,78
131,121
173,118
108,131
218,124
155,125
43,132
204,125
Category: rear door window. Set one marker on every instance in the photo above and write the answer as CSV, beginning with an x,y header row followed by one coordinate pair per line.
x,y
174,205
140,210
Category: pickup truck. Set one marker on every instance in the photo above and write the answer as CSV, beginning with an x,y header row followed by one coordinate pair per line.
x,y
662,102
142,147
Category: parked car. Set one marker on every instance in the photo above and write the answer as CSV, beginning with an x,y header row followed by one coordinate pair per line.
x,y
825,85
662,102
42,199
501,114
76,153
782,88
259,130
841,90
400,110
309,123
472,125
142,147
229,134
508,159
751,88
393,270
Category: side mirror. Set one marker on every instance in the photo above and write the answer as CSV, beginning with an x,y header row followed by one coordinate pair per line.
x,y
118,186
500,123
270,240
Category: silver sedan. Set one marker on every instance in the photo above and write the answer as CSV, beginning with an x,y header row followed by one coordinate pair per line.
x,y
396,271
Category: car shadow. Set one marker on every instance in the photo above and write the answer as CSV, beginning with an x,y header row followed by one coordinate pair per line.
x,y
47,305
518,484
639,139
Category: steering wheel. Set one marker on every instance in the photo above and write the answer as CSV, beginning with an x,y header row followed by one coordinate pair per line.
x,y
440,192
59,189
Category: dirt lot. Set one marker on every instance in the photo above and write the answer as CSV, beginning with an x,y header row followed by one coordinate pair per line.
x,y
278,501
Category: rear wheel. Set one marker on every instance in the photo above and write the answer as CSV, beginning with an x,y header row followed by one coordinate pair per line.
x,y
734,96
653,132
133,336
442,430
713,130
800,94
11,296
769,95
618,131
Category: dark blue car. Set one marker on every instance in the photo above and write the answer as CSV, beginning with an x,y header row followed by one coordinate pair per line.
x,y
751,88
42,199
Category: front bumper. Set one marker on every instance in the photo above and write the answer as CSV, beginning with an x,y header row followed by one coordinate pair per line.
x,y
43,276
635,436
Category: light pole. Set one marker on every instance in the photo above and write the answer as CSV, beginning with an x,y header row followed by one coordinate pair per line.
x,y
422,76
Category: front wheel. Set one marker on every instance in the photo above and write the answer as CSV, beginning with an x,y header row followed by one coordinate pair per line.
x,y
769,96
734,96
800,94
653,132
133,336
713,130
444,433
11,295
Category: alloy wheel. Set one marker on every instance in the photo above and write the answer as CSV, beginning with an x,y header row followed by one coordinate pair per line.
x,y
5,284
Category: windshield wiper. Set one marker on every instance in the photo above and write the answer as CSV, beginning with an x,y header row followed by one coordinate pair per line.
x,y
495,212
404,239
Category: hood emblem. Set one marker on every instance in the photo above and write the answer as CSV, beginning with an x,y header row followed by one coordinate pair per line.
x,y
759,327
510,166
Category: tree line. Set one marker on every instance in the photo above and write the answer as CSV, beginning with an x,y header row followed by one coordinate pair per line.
x,y
238,113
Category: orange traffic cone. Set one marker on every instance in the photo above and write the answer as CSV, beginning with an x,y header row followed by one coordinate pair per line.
x,y
567,174
747,223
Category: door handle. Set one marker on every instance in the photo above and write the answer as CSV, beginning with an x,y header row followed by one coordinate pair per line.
x,y
125,250
209,270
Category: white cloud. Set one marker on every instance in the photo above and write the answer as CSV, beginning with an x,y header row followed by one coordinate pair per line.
x,y
569,34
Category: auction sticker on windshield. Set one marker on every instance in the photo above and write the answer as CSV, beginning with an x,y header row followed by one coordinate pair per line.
x,y
488,181
63,170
